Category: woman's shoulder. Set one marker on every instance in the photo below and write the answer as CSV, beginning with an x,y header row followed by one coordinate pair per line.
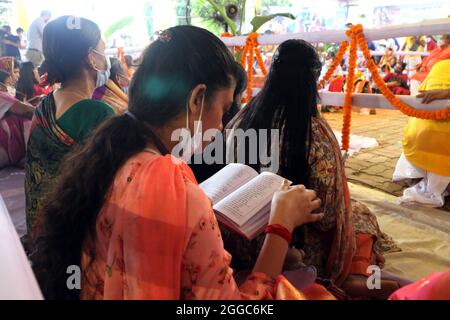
x,y
92,106
4,96
169,167
83,117
169,175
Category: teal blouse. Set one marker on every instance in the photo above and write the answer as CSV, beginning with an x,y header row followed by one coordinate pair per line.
x,y
83,117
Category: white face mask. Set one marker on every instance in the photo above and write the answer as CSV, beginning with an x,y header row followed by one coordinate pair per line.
x,y
192,145
103,75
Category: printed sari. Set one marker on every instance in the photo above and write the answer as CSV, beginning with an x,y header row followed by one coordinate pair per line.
x,y
50,140
348,238
14,132
48,144
7,65
157,238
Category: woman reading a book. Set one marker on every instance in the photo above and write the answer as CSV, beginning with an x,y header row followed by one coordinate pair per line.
x,y
348,240
138,224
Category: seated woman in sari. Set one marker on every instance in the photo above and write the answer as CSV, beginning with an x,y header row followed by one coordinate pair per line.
x,y
143,229
114,92
426,151
29,85
396,80
14,124
348,240
11,66
417,44
66,116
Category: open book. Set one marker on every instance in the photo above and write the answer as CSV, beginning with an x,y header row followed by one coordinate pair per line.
x,y
242,198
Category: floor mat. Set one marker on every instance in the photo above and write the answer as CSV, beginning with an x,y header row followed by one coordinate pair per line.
x,y
423,234
13,192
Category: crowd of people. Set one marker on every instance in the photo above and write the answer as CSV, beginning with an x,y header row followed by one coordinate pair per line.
x,y
402,73
423,166
103,191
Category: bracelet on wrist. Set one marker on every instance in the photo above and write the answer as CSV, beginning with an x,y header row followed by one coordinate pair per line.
x,y
280,231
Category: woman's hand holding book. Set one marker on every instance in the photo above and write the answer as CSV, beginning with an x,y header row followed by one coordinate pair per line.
x,y
292,207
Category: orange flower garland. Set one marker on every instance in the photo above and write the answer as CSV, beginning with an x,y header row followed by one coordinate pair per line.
x,y
393,100
337,60
250,74
355,33
121,57
260,60
249,52
350,88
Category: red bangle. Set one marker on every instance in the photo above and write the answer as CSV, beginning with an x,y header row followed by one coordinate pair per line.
x,y
279,230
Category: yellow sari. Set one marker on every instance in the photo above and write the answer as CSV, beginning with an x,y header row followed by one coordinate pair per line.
x,y
426,142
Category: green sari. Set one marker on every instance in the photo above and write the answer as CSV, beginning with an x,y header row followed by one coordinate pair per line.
x,y
50,141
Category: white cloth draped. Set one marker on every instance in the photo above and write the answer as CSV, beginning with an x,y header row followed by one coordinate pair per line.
x,y
17,281
430,191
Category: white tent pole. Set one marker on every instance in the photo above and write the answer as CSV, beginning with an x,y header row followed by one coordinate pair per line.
x,y
138,50
425,27
378,101
375,101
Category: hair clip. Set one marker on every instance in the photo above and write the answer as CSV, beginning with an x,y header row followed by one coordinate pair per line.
x,y
165,36
276,58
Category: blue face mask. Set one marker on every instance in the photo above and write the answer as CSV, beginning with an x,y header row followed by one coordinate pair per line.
x,y
103,75
126,90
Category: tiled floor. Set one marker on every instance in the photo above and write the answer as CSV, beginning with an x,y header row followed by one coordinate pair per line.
x,y
374,167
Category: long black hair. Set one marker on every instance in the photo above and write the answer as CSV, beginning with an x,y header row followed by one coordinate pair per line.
x,y
287,102
241,85
66,44
170,69
27,80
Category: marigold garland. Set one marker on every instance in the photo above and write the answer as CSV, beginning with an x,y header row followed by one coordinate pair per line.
x,y
396,102
350,88
356,36
250,74
121,57
355,33
248,54
337,60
